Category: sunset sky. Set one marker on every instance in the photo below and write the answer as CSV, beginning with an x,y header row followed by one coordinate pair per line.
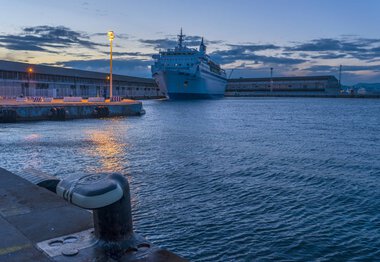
x,y
295,37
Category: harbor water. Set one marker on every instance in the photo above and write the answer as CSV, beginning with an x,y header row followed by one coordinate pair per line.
x,y
253,179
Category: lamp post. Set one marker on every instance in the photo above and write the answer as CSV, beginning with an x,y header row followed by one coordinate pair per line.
x,y
271,79
111,36
29,72
107,84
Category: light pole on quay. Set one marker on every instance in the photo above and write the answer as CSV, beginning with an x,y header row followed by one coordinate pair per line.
x,y
271,79
26,91
111,36
107,86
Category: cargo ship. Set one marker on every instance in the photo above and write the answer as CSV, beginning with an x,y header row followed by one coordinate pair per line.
x,y
188,73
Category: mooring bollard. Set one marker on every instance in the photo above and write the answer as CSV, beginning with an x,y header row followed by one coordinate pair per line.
x,y
108,196
58,113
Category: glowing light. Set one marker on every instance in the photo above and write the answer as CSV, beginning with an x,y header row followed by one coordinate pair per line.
x,y
111,35
30,70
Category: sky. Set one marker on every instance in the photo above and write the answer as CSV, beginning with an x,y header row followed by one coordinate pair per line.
x,y
295,37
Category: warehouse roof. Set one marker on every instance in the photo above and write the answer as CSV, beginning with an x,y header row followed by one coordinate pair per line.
x,y
275,79
61,71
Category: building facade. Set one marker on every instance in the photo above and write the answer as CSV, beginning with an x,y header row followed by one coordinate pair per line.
x,y
284,86
18,79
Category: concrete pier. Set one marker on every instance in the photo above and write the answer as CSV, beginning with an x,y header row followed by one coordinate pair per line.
x,y
12,111
32,217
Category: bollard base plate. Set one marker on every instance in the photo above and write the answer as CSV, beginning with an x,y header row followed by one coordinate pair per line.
x,y
69,245
84,246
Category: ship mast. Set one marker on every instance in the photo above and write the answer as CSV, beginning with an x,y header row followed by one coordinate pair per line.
x,y
180,39
202,47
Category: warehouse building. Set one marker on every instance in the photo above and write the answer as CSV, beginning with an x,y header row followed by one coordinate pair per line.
x,y
284,86
24,79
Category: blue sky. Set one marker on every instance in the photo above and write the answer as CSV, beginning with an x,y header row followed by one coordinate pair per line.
x,y
295,37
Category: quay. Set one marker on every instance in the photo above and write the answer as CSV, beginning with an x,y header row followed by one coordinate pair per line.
x,y
56,109
37,224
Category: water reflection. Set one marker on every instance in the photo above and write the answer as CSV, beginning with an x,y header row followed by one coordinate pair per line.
x,y
108,148
32,137
34,156
111,150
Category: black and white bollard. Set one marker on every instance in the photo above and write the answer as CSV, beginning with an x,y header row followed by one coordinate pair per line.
x,y
108,197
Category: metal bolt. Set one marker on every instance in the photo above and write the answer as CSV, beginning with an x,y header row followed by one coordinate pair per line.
x,y
69,252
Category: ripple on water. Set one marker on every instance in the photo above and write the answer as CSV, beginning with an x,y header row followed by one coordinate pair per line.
x,y
233,179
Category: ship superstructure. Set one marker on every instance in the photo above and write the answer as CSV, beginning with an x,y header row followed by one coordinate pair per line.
x,y
185,72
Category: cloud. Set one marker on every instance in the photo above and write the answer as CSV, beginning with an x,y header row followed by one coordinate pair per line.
x,y
132,67
349,46
117,35
171,42
47,39
248,53
159,43
195,41
328,56
324,44
254,47
134,54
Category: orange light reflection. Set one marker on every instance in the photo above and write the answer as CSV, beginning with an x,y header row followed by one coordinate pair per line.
x,y
111,151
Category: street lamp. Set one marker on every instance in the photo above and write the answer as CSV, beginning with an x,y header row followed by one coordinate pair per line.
x,y
29,71
107,84
271,79
111,36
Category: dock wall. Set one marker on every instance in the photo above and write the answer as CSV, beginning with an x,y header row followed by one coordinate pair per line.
x,y
64,111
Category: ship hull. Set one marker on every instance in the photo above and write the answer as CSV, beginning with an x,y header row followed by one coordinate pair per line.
x,y
182,85
184,96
